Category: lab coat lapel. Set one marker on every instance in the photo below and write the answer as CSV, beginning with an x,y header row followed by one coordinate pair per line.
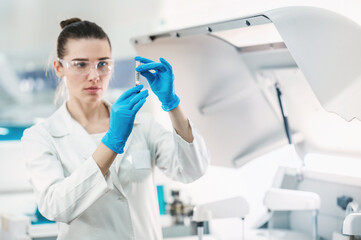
x,y
87,147
62,125
81,140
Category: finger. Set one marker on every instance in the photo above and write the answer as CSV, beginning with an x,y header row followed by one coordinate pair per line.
x,y
148,75
167,65
143,60
131,106
129,93
137,98
138,105
151,66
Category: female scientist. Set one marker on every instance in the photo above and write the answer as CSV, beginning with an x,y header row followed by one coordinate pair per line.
x,y
91,164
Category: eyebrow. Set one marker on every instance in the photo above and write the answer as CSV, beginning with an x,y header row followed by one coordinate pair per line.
x,y
86,59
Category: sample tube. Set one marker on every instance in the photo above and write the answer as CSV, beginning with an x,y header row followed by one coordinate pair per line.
x,y
137,74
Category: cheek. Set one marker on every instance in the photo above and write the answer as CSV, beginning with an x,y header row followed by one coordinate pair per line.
x,y
106,81
74,84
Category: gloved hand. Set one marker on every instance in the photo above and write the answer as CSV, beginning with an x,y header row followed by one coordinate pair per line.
x,y
122,115
161,81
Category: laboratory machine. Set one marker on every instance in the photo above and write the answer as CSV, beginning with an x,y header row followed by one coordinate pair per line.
x,y
287,77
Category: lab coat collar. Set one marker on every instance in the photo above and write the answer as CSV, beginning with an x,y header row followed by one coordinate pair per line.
x,y
60,122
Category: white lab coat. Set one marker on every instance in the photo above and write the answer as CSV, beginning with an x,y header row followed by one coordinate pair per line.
x,y
71,189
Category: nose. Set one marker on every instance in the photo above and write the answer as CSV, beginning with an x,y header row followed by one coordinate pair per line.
x,y
94,74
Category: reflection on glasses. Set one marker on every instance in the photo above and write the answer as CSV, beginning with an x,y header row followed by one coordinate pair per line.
x,y
103,67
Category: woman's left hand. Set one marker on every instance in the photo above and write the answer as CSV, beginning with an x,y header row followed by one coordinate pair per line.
x,y
161,80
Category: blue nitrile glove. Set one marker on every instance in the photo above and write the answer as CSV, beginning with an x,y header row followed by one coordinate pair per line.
x,y
161,81
122,115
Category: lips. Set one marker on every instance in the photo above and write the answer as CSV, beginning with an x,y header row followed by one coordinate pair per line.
x,y
93,89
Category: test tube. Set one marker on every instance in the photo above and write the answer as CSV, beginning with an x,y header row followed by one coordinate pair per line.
x,y
137,74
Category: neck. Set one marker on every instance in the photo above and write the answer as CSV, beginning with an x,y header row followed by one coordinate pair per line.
x,y
87,112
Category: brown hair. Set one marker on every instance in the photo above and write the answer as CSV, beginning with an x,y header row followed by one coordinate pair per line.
x,y
75,28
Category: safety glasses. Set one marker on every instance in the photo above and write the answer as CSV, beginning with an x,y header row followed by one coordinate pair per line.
x,y
77,67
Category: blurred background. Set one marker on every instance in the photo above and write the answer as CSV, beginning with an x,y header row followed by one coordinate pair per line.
x,y
28,34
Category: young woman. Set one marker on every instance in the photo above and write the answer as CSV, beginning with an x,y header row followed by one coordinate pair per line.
x,y
91,164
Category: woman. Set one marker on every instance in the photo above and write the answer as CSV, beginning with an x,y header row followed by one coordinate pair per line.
x,y
91,165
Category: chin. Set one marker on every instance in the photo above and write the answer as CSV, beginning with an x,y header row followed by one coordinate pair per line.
x,y
93,97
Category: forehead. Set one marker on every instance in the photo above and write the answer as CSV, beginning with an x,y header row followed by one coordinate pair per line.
x,y
87,48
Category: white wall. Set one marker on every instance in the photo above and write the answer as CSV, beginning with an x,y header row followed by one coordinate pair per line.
x,y
15,191
13,177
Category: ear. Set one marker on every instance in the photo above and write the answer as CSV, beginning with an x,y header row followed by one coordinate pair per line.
x,y
59,69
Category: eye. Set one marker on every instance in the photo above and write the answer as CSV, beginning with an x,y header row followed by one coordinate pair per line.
x,y
80,64
103,64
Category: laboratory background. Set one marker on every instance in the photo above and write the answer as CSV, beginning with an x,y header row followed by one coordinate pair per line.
x,y
273,86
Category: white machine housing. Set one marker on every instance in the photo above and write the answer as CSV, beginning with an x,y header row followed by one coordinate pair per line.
x,y
291,200
225,75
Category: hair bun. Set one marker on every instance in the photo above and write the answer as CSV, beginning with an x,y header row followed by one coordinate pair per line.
x,y
69,21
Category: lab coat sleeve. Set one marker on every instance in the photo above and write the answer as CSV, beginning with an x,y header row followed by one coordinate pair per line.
x,y
60,198
178,159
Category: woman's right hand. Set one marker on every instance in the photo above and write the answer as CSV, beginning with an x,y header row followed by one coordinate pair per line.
x,y
122,115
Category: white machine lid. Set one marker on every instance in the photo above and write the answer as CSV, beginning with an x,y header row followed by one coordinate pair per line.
x,y
225,75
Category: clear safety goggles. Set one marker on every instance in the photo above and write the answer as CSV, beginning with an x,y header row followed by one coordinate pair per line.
x,y
79,67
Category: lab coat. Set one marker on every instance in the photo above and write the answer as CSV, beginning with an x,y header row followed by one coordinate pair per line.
x,y
71,189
